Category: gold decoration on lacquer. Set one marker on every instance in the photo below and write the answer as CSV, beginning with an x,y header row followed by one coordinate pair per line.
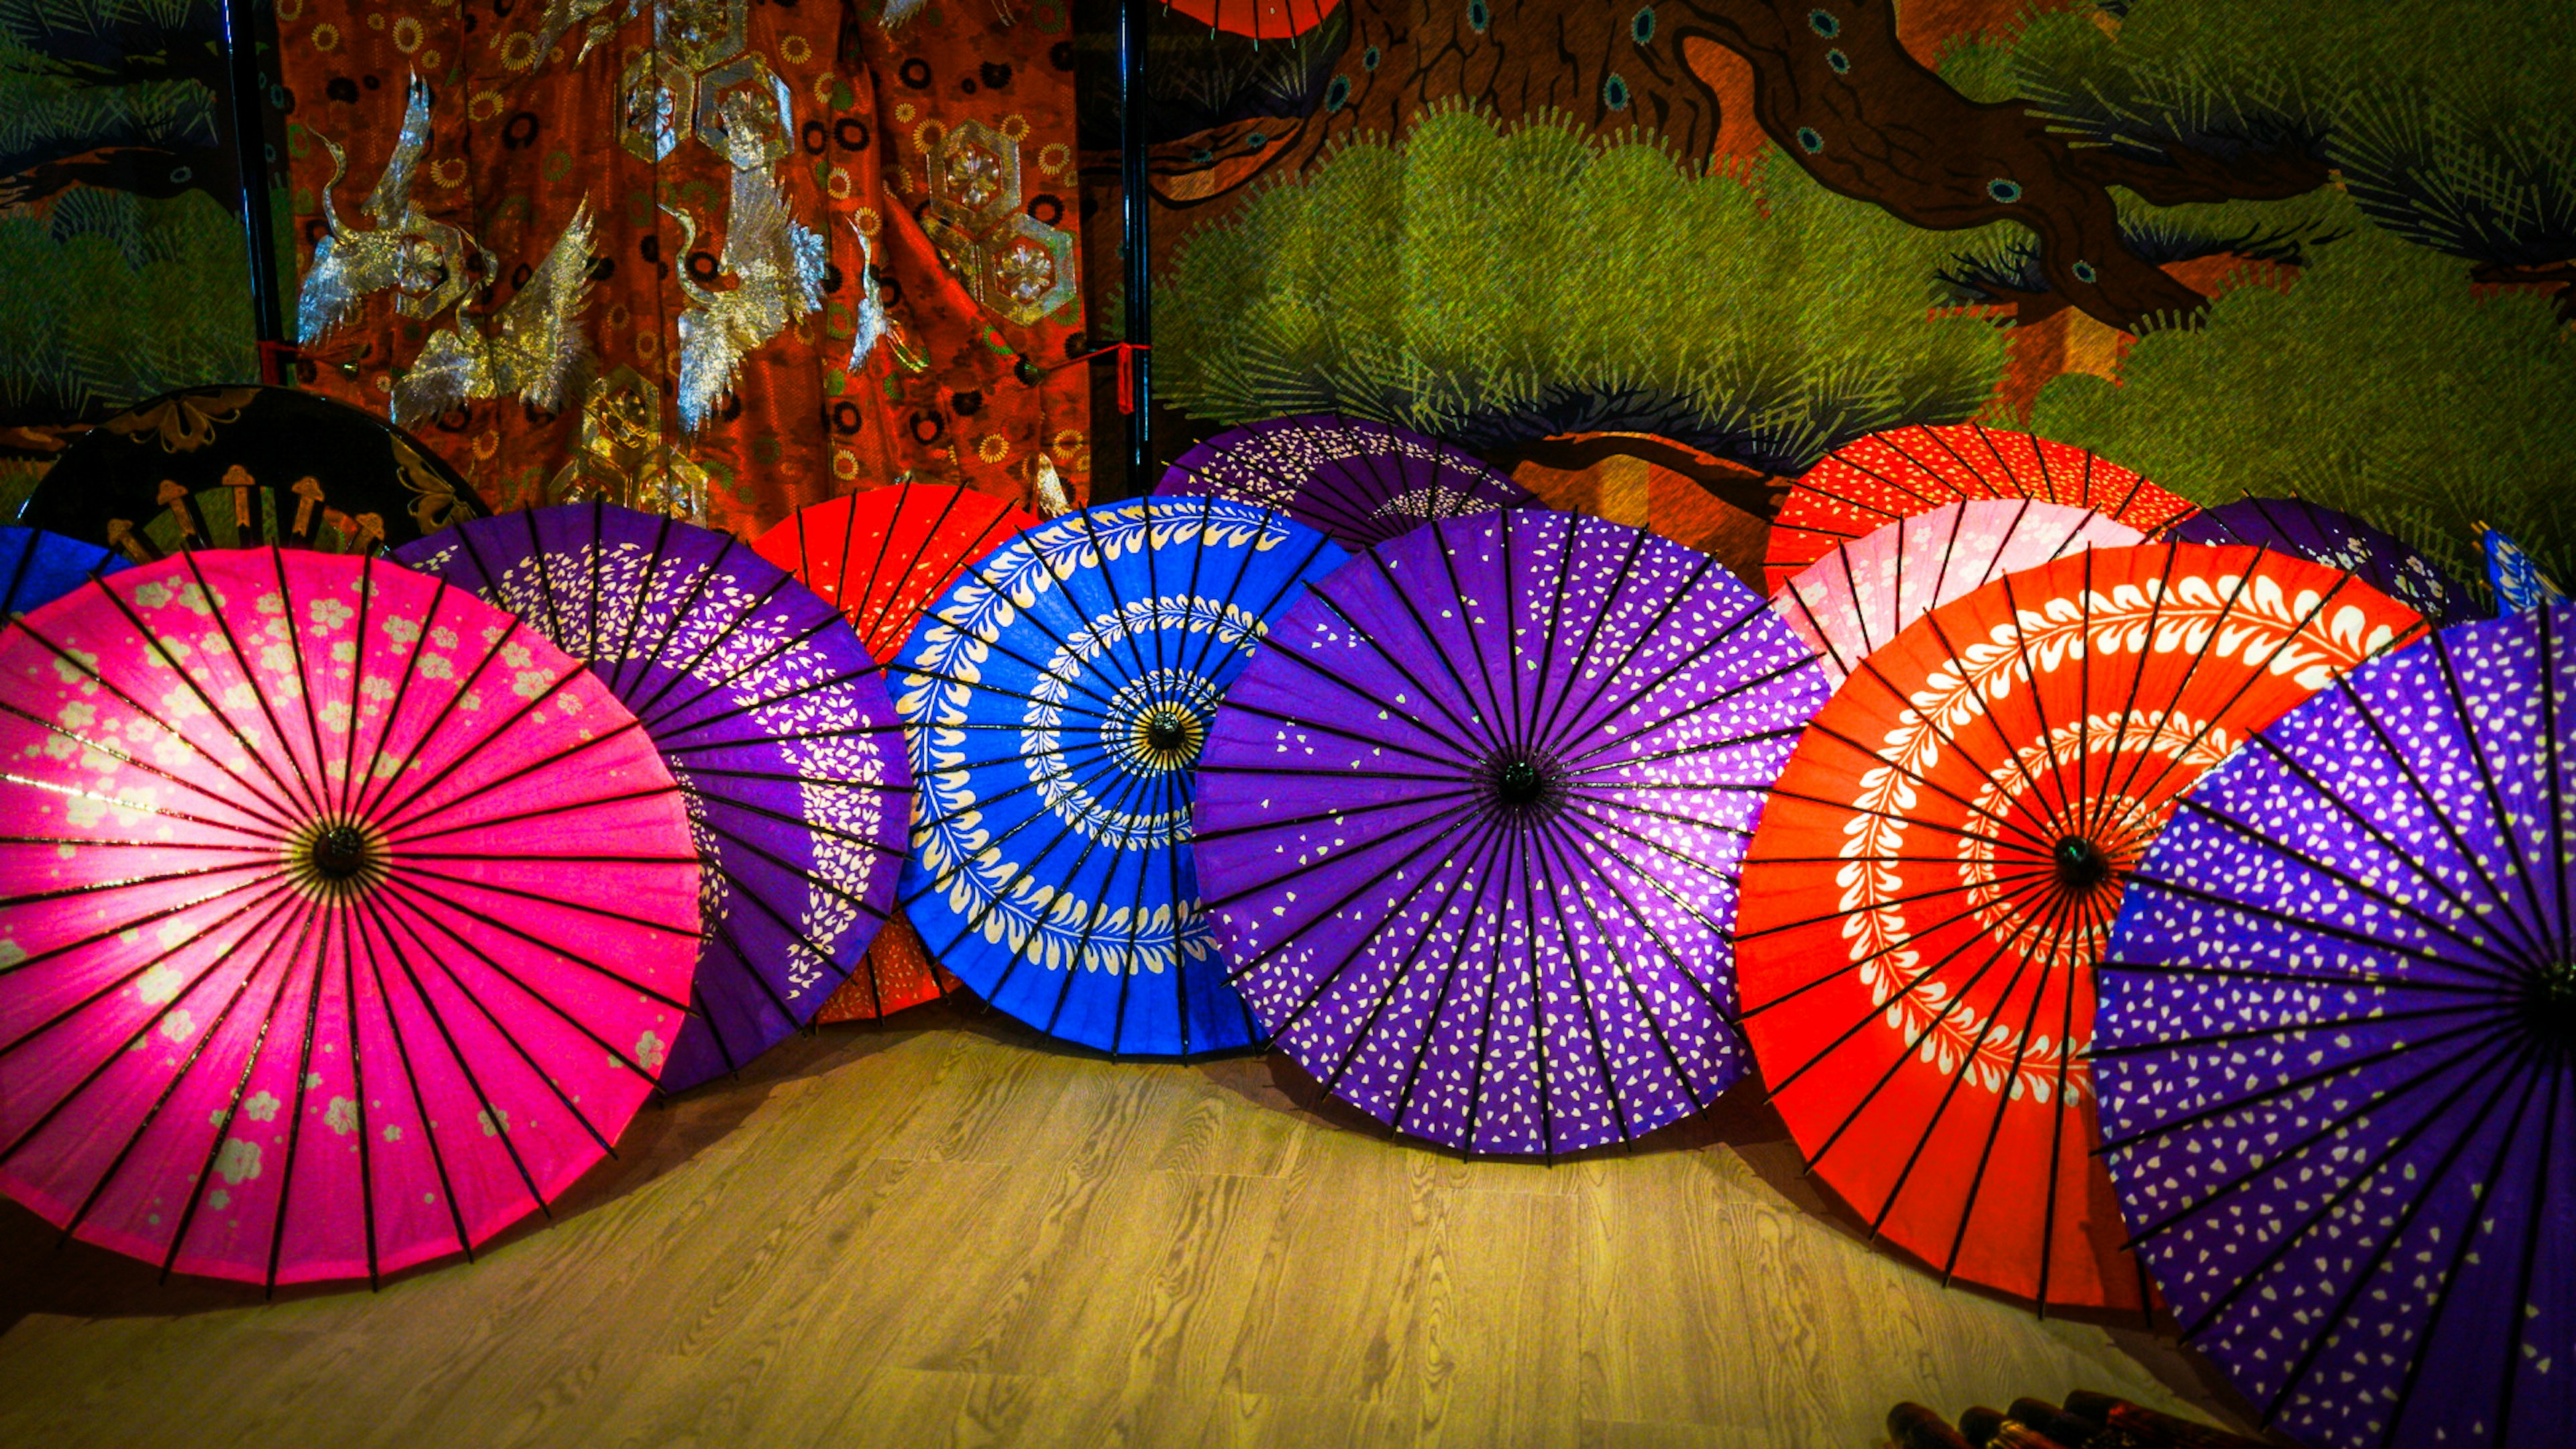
x,y
535,350
425,262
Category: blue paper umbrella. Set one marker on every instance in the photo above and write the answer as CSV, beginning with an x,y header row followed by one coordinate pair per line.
x,y
2337,1051
37,567
1057,698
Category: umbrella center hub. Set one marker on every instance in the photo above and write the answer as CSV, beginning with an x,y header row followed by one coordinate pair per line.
x,y
2080,864
1165,732
337,858
1520,783
2549,1002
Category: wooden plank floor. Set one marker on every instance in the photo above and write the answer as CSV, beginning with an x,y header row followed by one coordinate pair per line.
x,y
943,1233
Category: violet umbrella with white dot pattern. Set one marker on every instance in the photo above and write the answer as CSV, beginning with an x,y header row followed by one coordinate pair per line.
x,y
1356,481
1470,826
2337,1050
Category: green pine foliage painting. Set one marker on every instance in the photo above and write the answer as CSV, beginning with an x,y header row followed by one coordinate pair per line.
x,y
125,263
1495,285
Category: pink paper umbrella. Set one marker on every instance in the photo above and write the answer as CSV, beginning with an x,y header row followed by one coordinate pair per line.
x,y
1865,592
343,920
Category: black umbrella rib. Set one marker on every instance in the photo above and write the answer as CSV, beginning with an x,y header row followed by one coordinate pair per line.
x,y
1289,579
1129,789
2406,1219
1472,729
1555,851
1465,815
2557,818
1487,844
2001,951
1563,714
1842,970
2091,810
2455,696
1244,706
2067,799
1505,859
761,666
447,709
320,785
2549,1146
670,742
61,893
668,724
1949,743
411,839
2026,847
1958,1077
1073,683
2532,936
276,823
259,842
203,1179
2313,926
781,817
473,1080
2304,1024
986,802
274,805
2246,684
1184,911
1787,667
1910,898
1521,830
2262,740
2303,977
1160,790
2206,1198
1986,707
320,918
389,806
223,627
583,908
391,818
346,916
398,880
152,1114
89,1079
2114,1142
1832,651
1706,702
409,917
2254,834
1064,827
1505,713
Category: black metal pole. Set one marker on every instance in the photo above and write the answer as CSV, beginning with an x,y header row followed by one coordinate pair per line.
x,y
1135,245
249,117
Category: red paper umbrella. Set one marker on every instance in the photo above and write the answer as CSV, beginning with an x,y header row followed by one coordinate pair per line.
x,y
1930,886
1260,19
881,557
1866,485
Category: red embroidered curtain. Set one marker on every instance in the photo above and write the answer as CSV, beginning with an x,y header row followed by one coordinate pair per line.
x,y
720,258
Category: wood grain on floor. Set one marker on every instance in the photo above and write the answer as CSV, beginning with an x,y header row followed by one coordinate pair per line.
x,y
942,1232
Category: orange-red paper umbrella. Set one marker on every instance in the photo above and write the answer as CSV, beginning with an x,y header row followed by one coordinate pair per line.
x,y
1865,485
1260,19
882,556
1928,892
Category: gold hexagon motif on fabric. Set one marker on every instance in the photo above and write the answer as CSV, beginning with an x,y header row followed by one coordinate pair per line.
x,y
745,114
700,33
975,173
655,96
1026,270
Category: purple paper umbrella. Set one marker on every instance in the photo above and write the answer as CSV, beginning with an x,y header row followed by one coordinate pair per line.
x,y
2337,1050
1357,482
2338,540
1471,823
768,712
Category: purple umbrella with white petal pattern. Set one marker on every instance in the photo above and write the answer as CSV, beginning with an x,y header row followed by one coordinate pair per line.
x,y
1355,481
2337,1050
768,712
2338,540
1470,824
